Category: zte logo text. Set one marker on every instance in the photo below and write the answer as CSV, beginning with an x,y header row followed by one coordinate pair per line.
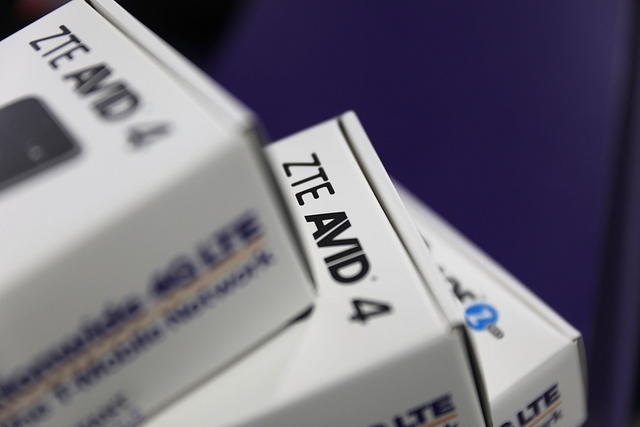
x,y
350,263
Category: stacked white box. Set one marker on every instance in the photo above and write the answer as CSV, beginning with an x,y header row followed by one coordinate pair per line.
x,y
533,361
377,351
143,250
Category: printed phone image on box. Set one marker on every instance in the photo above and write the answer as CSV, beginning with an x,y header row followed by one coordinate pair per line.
x,y
533,361
377,349
32,139
144,246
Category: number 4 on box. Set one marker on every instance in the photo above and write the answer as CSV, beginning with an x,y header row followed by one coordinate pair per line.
x,y
365,309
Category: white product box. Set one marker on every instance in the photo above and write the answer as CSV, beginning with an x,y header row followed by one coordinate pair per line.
x,y
141,244
377,350
533,361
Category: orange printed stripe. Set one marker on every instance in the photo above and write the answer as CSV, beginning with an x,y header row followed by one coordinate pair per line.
x,y
547,412
441,420
105,345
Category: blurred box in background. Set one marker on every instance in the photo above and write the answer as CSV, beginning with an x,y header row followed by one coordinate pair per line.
x,y
533,361
143,247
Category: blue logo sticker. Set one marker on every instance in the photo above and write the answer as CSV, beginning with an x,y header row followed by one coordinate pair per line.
x,y
480,315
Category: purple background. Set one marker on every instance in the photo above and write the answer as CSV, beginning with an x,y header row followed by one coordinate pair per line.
x,y
502,116
498,115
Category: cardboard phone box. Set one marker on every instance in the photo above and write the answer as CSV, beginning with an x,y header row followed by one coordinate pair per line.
x,y
142,247
378,350
533,361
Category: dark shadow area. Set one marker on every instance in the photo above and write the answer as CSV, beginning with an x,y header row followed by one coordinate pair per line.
x,y
196,28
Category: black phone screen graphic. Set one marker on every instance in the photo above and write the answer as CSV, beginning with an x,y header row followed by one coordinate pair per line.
x,y
31,140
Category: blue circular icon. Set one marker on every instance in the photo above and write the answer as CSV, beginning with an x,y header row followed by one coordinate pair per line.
x,y
480,315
